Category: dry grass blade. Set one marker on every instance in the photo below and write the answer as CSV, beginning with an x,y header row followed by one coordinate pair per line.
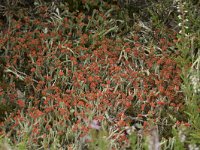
x,y
153,139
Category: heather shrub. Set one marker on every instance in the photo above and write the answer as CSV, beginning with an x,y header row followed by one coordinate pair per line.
x,y
78,75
